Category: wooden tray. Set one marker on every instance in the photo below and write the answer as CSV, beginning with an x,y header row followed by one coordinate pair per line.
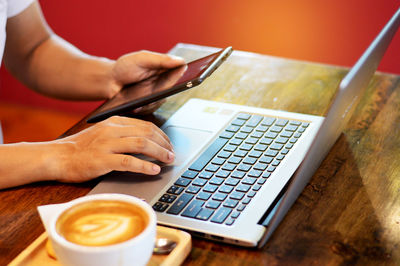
x,y
36,254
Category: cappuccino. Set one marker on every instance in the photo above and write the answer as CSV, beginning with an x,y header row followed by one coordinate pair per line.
x,y
102,222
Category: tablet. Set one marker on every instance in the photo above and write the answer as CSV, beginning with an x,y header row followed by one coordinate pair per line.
x,y
160,86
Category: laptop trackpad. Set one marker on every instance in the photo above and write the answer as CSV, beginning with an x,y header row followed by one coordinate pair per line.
x,y
186,141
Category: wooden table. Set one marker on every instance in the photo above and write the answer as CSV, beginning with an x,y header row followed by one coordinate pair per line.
x,y
348,214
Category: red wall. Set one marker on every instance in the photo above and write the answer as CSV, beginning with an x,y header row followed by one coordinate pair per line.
x,y
334,32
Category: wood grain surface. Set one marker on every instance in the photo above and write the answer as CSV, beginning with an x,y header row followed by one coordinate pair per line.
x,y
349,214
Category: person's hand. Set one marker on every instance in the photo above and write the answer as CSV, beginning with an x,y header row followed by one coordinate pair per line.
x,y
108,146
138,66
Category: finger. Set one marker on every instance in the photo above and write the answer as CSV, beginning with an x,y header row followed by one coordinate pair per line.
x,y
152,60
121,162
125,127
138,145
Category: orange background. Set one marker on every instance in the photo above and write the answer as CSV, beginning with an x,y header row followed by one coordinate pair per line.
x,y
333,32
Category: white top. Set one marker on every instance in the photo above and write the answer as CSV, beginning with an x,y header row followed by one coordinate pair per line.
x,y
9,8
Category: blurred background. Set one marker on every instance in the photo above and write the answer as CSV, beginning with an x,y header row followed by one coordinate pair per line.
x,y
332,32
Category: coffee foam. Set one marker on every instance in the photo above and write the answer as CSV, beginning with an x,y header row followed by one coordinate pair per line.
x,y
101,222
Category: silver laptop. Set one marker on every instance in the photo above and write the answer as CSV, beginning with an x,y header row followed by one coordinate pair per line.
x,y
238,169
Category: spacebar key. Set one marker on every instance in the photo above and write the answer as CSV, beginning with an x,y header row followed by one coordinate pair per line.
x,y
178,206
208,154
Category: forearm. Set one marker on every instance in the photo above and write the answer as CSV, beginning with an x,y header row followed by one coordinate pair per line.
x,y
50,65
59,70
24,163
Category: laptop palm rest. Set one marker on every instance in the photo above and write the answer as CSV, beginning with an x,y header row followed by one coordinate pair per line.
x,y
186,142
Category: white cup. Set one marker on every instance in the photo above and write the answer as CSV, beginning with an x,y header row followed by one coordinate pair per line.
x,y
135,251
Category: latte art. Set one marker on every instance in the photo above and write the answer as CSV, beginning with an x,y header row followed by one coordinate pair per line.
x,y
101,223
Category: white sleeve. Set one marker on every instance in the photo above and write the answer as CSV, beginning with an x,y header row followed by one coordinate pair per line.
x,y
14,7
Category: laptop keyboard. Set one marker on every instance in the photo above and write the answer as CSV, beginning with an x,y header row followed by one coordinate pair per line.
x,y
219,185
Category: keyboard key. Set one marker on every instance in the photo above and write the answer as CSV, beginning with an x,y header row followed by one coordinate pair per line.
x,y
246,147
286,134
296,123
221,215
243,116
281,140
271,153
180,203
232,181
266,141
199,182
234,160
275,163
203,195
160,207
276,146
241,207
254,173
213,204
230,148
182,182
271,168
246,129
226,135
256,187
285,151
261,181
260,166
175,190
240,153
232,128
238,174
246,200
210,188
260,147
266,159
281,122
216,181
212,168
193,209
204,214
208,154
251,194
224,154
254,121
255,154
230,203
189,174
225,189
236,195
250,160
262,128
266,175
275,129
243,167
206,175
268,121
235,214
193,189
222,174
257,134
243,188
236,141
219,196
291,128
229,167
230,221
271,135
218,161
251,140
249,180
241,135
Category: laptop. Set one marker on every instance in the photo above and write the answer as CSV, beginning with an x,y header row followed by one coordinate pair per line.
x,y
239,169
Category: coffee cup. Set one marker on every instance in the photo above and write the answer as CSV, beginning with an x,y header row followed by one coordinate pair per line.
x,y
101,229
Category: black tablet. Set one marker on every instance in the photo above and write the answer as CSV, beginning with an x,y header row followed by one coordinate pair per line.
x,y
160,86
